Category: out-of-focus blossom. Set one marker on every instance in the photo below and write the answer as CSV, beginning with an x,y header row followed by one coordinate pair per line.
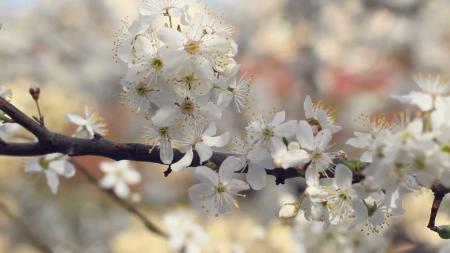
x,y
88,125
118,176
53,166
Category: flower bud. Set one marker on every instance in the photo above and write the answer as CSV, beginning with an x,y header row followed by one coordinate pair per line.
x,y
289,210
444,231
35,90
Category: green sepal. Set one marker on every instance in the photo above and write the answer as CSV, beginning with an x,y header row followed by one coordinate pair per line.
x,y
443,231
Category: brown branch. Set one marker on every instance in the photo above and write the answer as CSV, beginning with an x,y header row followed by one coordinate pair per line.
x,y
50,142
22,119
127,206
34,239
439,193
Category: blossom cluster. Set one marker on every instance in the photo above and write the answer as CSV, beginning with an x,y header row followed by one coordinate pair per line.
x,y
182,76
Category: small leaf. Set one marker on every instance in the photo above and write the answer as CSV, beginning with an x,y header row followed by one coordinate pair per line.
x,y
353,165
444,231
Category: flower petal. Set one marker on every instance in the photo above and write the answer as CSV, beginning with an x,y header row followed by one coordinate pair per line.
x,y
256,176
165,151
228,167
121,189
204,151
52,180
77,120
278,118
217,141
343,176
184,162
286,129
305,135
206,175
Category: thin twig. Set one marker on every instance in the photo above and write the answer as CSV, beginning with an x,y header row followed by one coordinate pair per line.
x,y
130,208
439,194
50,142
34,239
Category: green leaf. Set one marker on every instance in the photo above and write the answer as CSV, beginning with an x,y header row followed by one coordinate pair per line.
x,y
353,165
444,231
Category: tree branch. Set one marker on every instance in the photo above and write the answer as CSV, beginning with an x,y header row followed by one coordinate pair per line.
x,y
50,142
439,193
34,239
130,208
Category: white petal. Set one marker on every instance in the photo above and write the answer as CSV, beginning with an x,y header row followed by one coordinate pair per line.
x,y
312,177
305,135
377,217
256,177
228,167
224,99
201,192
286,129
69,169
360,210
121,189
343,176
211,130
308,106
213,110
77,120
33,165
164,116
217,141
294,158
237,185
204,151
206,175
278,118
165,151
323,138
170,36
131,176
258,154
422,100
108,181
184,162
52,180
107,167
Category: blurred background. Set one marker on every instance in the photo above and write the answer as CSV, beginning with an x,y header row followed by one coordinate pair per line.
x,y
350,53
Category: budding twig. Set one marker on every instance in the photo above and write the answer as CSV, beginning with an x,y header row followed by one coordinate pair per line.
x,y
34,239
35,92
127,206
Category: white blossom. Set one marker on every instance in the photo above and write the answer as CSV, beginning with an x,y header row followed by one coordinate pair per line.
x,y
118,176
319,115
431,88
201,138
184,234
216,194
88,125
53,166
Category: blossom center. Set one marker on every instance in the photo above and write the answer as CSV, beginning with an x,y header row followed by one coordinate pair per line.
x,y
221,188
44,163
157,63
164,132
192,47
118,173
187,107
189,80
142,89
267,133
